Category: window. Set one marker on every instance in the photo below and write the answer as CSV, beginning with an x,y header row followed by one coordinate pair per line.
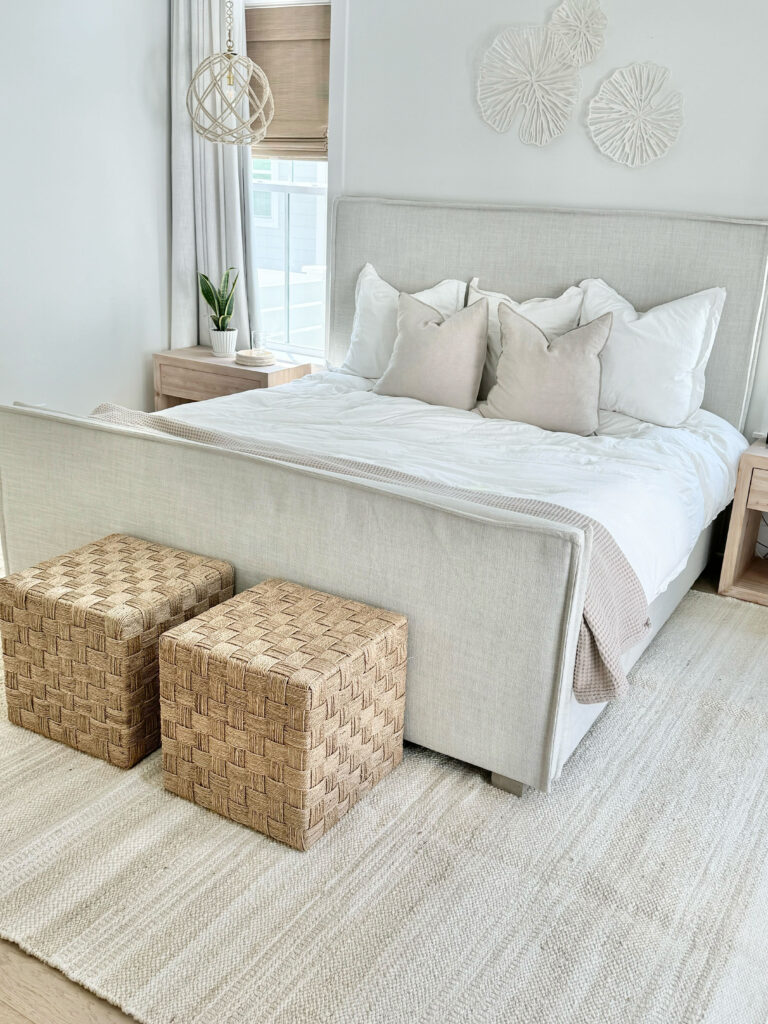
x,y
264,205
289,246
290,176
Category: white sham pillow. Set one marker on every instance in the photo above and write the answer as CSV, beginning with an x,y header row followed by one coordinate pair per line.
x,y
654,362
554,317
374,328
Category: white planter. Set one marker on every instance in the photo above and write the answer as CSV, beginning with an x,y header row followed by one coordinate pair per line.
x,y
223,342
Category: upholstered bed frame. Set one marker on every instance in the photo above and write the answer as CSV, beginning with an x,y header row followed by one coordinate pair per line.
x,y
494,599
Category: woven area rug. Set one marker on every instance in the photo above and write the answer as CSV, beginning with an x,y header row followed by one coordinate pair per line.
x,y
635,893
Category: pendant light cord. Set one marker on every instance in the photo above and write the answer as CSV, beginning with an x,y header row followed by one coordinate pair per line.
x,y
229,19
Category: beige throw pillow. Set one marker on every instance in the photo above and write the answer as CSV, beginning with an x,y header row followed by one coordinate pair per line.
x,y
553,316
553,385
437,360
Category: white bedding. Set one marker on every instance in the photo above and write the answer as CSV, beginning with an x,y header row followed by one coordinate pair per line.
x,y
654,488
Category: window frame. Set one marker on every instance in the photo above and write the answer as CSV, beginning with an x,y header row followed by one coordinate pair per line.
x,y
275,187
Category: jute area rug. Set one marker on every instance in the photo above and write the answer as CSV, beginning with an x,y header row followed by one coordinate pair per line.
x,y
636,892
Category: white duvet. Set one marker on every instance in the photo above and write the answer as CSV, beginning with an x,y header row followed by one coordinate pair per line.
x,y
654,488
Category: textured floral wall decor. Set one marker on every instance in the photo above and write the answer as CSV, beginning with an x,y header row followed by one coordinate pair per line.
x,y
636,116
581,25
533,72
528,69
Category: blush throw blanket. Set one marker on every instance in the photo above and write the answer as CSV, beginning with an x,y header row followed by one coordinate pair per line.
x,y
615,613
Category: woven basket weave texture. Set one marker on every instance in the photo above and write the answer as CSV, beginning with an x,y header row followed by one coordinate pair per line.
x,y
282,707
80,640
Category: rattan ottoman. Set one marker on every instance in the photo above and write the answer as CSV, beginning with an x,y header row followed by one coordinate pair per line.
x,y
282,707
80,637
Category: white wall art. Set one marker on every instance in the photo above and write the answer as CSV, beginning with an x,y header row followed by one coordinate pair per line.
x,y
636,116
527,69
581,25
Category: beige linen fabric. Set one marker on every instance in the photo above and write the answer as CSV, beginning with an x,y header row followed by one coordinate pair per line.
x,y
478,691
436,360
554,384
555,316
615,614
524,250
635,893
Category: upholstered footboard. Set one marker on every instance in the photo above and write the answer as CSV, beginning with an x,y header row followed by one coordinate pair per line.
x,y
494,599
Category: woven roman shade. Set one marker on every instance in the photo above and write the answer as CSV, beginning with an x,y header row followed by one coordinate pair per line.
x,y
292,45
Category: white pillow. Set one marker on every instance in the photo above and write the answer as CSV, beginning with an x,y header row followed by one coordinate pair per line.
x,y
554,317
374,329
654,362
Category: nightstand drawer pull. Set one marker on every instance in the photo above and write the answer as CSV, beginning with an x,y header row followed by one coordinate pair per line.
x,y
758,490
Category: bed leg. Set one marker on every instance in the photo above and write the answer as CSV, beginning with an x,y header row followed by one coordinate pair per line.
x,y
508,785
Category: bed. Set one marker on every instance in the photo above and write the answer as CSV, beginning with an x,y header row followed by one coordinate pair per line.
x,y
494,598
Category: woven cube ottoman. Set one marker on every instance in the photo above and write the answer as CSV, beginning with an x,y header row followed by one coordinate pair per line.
x,y
282,707
80,637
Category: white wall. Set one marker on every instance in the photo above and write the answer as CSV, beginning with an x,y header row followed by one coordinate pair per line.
x,y
404,119
84,200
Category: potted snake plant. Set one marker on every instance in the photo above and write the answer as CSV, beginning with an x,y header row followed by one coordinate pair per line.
x,y
222,303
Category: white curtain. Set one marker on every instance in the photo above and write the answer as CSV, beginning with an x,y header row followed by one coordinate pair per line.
x,y
210,183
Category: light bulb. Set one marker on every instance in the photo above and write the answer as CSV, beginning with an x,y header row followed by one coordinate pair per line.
x,y
229,88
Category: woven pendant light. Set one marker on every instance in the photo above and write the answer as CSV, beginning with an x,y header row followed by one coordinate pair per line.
x,y
229,98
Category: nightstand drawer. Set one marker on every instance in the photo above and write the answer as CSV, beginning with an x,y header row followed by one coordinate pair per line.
x,y
194,374
198,385
758,490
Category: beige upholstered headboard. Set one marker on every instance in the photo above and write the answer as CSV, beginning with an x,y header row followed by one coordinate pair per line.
x,y
525,251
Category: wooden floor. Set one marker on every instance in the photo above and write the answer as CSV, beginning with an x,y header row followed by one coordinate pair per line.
x,y
31,992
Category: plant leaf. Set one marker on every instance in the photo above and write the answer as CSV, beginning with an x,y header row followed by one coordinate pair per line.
x,y
229,300
237,275
224,283
209,292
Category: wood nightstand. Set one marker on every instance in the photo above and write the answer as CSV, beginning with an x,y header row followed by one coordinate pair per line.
x,y
195,374
745,575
